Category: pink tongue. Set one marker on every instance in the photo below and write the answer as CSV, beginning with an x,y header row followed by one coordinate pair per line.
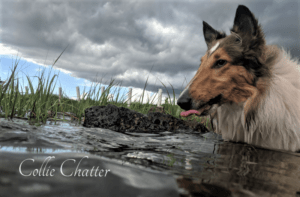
x,y
189,112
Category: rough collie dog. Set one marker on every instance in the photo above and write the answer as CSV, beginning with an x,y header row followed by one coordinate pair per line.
x,y
250,89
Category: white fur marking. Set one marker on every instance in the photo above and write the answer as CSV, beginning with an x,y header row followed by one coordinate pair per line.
x,y
186,89
214,48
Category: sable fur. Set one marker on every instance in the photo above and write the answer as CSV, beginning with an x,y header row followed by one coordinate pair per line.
x,y
276,123
262,107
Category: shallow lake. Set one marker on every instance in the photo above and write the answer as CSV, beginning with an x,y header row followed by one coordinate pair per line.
x,y
137,164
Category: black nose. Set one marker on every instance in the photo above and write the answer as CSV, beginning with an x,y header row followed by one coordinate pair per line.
x,y
185,101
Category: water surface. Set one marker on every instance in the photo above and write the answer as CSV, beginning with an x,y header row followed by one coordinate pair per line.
x,y
183,163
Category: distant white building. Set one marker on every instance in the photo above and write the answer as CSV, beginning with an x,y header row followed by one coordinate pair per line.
x,y
110,97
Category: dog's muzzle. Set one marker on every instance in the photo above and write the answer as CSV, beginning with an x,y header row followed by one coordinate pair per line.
x,y
199,108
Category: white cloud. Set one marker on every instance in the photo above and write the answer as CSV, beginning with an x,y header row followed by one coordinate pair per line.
x,y
63,70
9,52
123,40
155,30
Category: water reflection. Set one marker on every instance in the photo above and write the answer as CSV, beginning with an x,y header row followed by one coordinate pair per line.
x,y
36,149
194,159
250,170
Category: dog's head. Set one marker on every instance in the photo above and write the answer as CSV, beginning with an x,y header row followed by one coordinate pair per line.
x,y
231,69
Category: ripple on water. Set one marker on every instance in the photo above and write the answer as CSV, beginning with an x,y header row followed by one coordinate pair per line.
x,y
193,158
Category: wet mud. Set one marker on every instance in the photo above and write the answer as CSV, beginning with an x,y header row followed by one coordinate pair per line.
x,y
125,120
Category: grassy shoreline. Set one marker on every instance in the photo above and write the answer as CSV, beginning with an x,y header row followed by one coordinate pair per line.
x,y
41,99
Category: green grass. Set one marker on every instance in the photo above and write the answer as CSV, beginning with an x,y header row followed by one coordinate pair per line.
x,y
41,99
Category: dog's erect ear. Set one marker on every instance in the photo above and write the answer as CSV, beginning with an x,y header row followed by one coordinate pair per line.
x,y
210,34
245,22
252,36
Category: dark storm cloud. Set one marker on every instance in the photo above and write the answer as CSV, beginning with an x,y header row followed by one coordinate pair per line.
x,y
126,39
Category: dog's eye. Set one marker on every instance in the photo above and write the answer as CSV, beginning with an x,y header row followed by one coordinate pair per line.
x,y
220,63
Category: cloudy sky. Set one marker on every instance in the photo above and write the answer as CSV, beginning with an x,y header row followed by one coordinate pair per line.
x,y
128,40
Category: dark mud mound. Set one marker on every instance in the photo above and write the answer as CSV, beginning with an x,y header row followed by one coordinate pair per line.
x,y
121,119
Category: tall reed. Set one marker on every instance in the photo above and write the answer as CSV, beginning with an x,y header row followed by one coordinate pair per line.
x,y
41,100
